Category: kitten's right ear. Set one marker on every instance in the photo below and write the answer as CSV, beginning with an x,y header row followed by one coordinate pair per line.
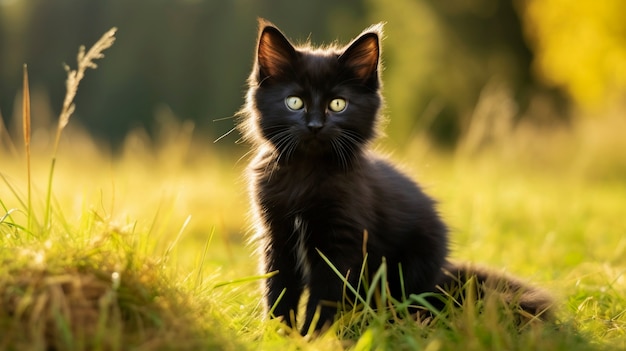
x,y
363,54
275,53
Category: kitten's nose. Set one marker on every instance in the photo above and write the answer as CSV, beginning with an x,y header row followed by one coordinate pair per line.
x,y
315,125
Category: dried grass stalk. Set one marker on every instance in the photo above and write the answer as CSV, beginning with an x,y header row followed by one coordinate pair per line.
x,y
27,133
84,60
26,110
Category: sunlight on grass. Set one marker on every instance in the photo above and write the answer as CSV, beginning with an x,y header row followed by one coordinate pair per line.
x,y
89,276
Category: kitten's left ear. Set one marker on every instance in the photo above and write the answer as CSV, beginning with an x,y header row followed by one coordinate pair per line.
x,y
362,55
275,54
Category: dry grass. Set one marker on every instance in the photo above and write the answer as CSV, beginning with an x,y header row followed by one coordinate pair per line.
x,y
84,61
74,283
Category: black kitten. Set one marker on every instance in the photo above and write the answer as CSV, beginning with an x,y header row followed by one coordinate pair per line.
x,y
316,188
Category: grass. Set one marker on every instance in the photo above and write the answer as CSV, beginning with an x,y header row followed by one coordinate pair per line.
x,y
146,250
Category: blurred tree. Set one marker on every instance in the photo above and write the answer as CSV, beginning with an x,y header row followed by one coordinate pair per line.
x,y
191,55
194,56
580,46
441,55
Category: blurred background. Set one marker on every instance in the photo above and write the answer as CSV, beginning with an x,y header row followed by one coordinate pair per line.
x,y
542,62
510,113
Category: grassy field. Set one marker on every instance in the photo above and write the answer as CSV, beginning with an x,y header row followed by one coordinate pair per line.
x,y
147,250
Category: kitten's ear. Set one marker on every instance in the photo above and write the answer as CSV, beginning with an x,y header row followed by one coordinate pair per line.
x,y
275,53
362,55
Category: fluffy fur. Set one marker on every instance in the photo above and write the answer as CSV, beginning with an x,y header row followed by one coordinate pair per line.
x,y
315,186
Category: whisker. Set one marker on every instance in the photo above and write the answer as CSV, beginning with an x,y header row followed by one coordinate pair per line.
x,y
224,118
292,148
345,146
224,135
339,146
244,156
285,144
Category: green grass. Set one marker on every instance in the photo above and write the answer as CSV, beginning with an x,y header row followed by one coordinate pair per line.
x,y
188,281
146,250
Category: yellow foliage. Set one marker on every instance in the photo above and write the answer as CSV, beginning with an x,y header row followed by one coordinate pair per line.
x,y
580,46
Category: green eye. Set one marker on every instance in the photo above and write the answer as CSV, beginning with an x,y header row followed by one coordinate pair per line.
x,y
294,103
337,105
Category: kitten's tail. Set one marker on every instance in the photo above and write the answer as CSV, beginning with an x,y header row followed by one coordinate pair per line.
x,y
528,303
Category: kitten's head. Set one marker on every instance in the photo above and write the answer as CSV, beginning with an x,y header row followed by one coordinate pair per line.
x,y
307,101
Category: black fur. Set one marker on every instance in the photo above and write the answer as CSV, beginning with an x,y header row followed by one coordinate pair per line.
x,y
315,186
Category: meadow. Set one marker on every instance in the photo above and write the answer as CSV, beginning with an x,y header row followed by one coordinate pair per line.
x,y
147,249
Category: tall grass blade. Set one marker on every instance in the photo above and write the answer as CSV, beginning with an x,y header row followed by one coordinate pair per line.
x,y
280,297
345,281
26,129
379,280
46,220
7,215
199,279
84,61
422,300
13,191
247,280
172,245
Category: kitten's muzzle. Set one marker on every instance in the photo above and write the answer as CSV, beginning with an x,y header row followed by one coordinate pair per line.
x,y
315,123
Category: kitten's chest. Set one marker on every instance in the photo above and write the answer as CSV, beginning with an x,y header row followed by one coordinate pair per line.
x,y
296,189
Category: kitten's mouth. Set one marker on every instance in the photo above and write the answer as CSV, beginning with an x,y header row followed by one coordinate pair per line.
x,y
314,143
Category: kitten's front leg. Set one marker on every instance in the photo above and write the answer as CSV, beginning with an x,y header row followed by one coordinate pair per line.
x,y
326,290
285,280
